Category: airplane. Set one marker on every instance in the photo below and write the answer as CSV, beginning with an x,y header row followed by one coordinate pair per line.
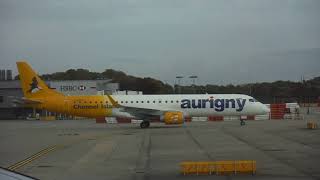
x,y
172,108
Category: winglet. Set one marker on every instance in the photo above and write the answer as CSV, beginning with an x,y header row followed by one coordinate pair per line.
x,y
113,102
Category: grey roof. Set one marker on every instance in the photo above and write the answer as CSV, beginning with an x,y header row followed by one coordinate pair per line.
x,y
10,84
16,83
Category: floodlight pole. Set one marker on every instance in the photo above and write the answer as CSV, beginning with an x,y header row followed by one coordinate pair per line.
x,y
193,78
179,83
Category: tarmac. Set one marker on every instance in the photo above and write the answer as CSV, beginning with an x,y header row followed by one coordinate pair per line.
x,y
82,149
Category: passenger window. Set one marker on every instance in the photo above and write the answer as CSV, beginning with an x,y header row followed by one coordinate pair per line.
x,y
171,101
126,102
141,101
131,101
166,101
148,101
177,101
154,101
137,101
121,101
159,101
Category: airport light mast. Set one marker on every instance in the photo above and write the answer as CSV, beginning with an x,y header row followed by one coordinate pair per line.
x,y
179,83
193,85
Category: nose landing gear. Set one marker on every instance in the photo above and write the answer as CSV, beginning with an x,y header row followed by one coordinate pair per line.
x,y
145,124
242,122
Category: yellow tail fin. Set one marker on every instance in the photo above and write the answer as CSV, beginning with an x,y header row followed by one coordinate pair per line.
x,y
32,85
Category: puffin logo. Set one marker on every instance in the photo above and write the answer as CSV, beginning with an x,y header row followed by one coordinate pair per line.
x,y
34,86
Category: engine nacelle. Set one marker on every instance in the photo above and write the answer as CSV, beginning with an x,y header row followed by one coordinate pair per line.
x,y
173,118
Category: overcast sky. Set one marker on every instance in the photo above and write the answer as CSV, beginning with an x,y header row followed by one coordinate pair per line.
x,y
221,41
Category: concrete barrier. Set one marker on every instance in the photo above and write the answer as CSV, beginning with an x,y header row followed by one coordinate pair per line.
x,y
47,118
219,167
312,125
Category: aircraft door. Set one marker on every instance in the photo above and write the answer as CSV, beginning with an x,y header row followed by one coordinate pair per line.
x,y
66,106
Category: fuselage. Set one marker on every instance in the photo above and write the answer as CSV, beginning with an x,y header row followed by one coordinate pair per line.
x,y
189,104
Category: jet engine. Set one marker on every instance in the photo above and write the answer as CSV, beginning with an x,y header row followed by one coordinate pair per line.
x,y
173,118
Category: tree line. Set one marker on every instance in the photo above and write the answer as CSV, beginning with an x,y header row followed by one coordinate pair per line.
x,y
267,92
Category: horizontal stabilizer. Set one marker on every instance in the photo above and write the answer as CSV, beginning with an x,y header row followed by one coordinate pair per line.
x,y
23,100
31,101
26,101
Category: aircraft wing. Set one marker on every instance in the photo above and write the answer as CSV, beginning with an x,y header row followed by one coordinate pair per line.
x,y
31,101
140,113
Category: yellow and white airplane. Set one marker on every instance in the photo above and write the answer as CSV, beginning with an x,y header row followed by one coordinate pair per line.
x,y
171,108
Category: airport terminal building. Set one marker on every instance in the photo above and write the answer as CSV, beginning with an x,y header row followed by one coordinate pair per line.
x,y
11,104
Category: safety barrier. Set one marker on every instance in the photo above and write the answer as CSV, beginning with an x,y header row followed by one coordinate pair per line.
x,y
47,118
277,111
123,120
100,120
219,167
312,125
215,118
250,117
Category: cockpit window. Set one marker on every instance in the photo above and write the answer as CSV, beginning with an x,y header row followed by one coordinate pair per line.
x,y
251,100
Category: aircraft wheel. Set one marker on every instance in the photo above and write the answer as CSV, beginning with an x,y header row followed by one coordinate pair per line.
x,y
144,124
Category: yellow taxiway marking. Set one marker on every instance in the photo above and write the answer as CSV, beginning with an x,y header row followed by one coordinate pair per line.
x,y
33,157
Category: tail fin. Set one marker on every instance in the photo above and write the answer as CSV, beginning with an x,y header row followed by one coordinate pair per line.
x,y
32,85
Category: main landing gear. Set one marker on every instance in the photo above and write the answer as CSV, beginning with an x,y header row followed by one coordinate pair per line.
x,y
145,124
